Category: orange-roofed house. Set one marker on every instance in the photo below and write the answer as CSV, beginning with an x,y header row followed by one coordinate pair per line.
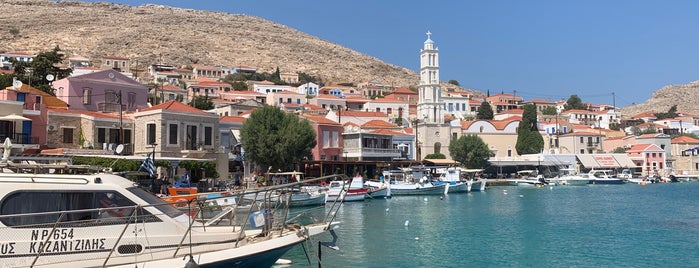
x,y
329,140
24,115
327,101
584,117
660,139
236,108
646,116
611,143
503,102
650,158
235,96
19,56
204,86
457,106
177,130
392,107
171,92
209,71
287,99
355,117
103,91
371,142
685,155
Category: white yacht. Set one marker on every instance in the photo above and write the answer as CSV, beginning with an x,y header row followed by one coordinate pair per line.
x,y
90,220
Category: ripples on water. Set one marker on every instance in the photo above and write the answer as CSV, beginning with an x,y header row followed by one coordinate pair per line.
x,y
593,226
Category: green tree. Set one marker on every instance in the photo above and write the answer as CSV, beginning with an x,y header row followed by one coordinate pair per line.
x,y
470,150
436,156
619,150
671,113
549,110
273,138
574,103
454,82
5,81
202,103
485,112
239,86
529,140
34,73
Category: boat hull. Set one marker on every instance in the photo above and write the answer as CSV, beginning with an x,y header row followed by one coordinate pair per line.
x,y
417,190
609,181
378,193
307,200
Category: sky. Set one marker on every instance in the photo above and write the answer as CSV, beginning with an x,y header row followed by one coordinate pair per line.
x,y
606,52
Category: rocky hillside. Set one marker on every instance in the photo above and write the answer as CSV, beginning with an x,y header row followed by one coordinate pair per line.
x,y
684,96
151,33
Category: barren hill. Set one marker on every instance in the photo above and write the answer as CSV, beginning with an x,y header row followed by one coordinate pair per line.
x,y
154,33
684,96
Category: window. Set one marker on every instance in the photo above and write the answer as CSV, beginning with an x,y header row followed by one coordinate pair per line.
x,y
68,135
335,139
110,96
389,111
101,135
172,132
378,109
131,100
451,107
86,202
127,136
288,100
326,139
582,140
87,95
150,134
208,135
281,100
191,142
298,101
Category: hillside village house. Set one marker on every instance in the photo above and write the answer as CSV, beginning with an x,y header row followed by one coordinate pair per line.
x,y
393,108
355,117
309,89
289,77
5,57
266,87
170,92
327,101
209,71
460,107
119,64
503,102
285,97
235,96
203,86
356,103
100,92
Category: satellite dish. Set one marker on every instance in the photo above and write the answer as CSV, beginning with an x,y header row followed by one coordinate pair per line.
x,y
119,149
111,75
16,84
49,77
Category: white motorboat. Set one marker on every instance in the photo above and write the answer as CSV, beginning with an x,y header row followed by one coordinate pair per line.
x,y
603,176
347,191
91,220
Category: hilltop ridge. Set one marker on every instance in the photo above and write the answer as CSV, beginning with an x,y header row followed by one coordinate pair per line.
x,y
155,33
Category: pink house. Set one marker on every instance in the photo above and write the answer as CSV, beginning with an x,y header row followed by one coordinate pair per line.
x,y
649,157
24,115
102,91
329,143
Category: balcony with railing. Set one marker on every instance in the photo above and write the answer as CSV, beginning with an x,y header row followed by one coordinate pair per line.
x,y
19,138
107,107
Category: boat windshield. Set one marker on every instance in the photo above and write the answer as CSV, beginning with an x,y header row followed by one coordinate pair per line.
x,y
157,202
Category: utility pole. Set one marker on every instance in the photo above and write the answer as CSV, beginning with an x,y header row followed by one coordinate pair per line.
x,y
121,121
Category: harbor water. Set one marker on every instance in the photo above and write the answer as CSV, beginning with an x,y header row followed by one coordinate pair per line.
x,y
564,226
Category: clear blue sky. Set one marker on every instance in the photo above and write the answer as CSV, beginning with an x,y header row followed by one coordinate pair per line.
x,y
540,49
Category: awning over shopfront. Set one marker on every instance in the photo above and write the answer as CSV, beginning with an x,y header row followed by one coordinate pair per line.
x,y
441,161
606,161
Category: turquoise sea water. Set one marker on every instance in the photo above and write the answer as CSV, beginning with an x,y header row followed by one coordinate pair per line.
x,y
566,226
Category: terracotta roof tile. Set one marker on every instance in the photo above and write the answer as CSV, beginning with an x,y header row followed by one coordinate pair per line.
x,y
684,139
378,124
233,119
175,106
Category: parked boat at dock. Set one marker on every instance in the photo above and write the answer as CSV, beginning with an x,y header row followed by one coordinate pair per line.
x,y
90,220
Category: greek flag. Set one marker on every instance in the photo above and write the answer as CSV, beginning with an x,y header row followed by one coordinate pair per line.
x,y
148,165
